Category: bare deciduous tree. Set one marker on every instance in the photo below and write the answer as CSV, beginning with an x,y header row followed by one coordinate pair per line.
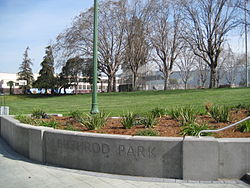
x,y
202,69
137,47
76,40
185,65
165,38
232,66
111,37
207,23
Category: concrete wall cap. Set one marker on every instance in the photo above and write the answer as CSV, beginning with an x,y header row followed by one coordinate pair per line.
x,y
115,136
234,140
152,138
10,118
35,127
193,138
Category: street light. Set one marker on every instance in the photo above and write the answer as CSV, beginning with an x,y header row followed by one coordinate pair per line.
x,y
246,42
94,109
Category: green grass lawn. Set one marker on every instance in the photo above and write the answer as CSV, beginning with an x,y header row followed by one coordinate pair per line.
x,y
117,103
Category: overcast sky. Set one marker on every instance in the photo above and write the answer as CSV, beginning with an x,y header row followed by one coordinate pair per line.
x,y
35,23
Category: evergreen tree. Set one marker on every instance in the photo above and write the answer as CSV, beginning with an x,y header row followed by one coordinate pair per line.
x,y
74,71
46,79
26,71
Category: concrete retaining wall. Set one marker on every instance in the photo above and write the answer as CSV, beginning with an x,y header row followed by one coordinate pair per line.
x,y
182,158
234,160
157,157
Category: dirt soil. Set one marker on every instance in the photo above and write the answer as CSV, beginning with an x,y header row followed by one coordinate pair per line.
x,y
166,126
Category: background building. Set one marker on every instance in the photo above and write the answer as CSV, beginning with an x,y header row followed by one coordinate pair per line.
x,y
80,87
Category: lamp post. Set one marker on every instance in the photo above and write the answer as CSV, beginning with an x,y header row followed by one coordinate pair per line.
x,y
94,109
246,43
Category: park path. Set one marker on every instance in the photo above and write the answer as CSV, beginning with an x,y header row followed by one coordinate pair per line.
x,y
17,171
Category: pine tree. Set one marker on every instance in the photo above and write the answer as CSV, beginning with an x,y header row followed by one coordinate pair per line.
x,y
26,71
46,79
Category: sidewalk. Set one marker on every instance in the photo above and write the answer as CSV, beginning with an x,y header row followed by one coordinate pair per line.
x,y
18,172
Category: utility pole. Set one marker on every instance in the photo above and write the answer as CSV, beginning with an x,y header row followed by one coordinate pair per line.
x,y
94,109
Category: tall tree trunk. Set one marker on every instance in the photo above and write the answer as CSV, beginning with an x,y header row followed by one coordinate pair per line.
x,y
101,85
185,85
114,84
212,77
134,81
166,80
76,89
60,89
165,84
10,90
109,89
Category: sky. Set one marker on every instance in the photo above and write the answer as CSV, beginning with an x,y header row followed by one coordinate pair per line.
x,y
35,23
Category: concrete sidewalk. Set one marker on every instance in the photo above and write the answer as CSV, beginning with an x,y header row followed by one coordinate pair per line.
x,y
18,172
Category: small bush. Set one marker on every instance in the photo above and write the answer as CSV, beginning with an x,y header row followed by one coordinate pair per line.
x,y
27,120
192,129
38,113
149,121
76,115
244,127
96,121
174,113
243,106
208,106
51,123
23,119
147,132
158,112
128,120
37,122
187,115
219,113
201,111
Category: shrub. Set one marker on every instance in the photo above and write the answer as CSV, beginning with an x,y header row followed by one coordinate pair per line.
x,y
187,115
192,129
147,132
25,119
51,123
37,122
149,121
208,106
243,106
174,113
158,112
219,113
201,111
38,113
96,121
28,120
128,120
76,115
244,127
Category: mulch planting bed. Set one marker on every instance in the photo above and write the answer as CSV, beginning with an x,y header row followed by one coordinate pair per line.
x,y
165,126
